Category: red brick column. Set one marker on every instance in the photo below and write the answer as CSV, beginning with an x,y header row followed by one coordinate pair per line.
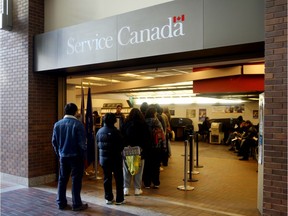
x,y
275,120
28,100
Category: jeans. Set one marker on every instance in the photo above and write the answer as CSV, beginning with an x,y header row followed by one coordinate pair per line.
x,y
128,177
73,166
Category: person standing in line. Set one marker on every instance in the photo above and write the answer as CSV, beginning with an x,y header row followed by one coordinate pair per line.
x,y
96,121
111,145
164,153
151,172
136,133
169,130
167,152
143,108
69,143
119,115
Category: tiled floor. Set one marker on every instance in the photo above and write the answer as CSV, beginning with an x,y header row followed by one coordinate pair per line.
x,y
223,186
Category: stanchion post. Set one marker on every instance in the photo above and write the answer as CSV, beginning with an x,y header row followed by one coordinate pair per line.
x,y
96,162
197,152
185,187
191,160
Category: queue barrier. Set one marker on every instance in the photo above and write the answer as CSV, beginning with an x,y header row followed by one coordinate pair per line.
x,y
185,187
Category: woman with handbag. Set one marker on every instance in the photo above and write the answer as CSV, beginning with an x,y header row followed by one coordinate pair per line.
x,y
136,133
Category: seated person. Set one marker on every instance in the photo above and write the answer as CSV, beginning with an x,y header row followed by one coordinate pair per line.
x,y
235,133
248,140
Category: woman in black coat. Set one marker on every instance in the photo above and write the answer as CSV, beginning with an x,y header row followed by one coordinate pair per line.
x,y
110,143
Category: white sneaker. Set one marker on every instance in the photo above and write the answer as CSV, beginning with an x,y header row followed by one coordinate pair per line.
x,y
109,202
126,191
138,192
121,203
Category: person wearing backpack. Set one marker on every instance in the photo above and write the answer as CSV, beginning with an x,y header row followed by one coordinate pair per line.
x,y
136,133
151,174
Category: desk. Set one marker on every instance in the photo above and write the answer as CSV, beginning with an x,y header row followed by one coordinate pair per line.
x,y
179,132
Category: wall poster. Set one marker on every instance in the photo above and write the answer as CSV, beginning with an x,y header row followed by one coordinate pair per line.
x,y
255,114
190,113
235,108
202,114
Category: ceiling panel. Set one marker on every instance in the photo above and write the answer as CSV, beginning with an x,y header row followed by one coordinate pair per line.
x,y
157,81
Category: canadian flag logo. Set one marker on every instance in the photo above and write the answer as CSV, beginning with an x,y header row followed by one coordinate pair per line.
x,y
179,18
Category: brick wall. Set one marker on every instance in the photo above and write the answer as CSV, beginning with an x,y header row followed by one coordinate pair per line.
x,y
275,126
28,100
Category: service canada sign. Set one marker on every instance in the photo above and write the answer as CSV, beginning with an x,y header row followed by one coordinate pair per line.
x,y
128,36
174,28
167,28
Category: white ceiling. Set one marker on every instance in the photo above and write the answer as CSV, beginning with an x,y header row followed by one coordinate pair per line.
x,y
168,81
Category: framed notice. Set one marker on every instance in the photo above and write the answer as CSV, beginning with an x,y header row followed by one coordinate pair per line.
x,y
255,114
202,114
190,113
235,109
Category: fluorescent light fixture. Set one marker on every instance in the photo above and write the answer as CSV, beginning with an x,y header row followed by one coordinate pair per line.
x,y
189,83
129,75
136,76
102,79
185,100
157,94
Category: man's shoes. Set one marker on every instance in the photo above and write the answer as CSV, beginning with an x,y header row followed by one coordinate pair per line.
x,y
109,202
80,208
244,159
65,207
121,203
126,191
156,186
138,192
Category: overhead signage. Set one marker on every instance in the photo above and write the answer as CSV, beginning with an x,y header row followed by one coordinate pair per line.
x,y
169,28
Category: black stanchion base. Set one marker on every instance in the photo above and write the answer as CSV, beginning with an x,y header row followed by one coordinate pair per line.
x,y
199,166
192,180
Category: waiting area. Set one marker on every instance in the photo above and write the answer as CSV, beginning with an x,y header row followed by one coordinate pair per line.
x,y
223,186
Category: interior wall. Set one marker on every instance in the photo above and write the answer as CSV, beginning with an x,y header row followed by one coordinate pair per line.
x,y
214,112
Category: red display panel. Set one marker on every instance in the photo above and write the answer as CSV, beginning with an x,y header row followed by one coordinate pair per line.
x,y
233,84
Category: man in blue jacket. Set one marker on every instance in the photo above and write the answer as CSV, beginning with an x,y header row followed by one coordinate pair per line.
x,y
69,143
